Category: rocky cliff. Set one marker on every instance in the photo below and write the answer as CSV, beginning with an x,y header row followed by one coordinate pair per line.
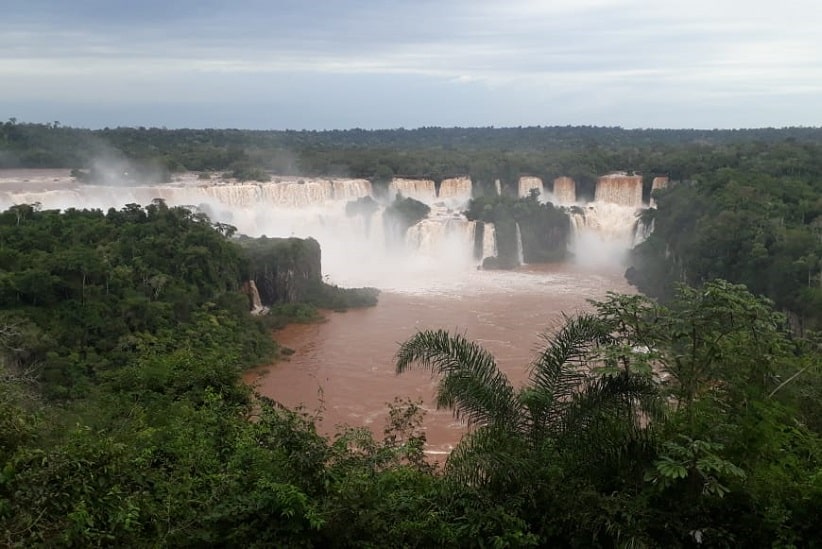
x,y
285,270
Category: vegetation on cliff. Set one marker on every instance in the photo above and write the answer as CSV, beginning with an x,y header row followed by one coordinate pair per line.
x,y
756,221
289,271
642,425
91,292
401,214
689,420
544,228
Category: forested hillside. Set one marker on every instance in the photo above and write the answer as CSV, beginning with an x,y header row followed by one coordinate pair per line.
x,y
695,423
689,416
756,219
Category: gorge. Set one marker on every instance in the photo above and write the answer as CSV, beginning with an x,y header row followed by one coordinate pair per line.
x,y
428,273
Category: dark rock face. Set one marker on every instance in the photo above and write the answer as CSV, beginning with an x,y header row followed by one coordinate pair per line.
x,y
285,270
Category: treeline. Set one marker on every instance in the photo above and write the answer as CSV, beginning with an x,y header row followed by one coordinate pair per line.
x,y
486,154
747,206
756,220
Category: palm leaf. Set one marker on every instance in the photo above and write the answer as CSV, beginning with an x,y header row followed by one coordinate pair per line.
x,y
489,456
559,371
471,384
610,414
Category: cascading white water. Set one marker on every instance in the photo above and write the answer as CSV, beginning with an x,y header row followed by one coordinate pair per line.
x,y
257,307
642,232
355,248
498,186
242,195
527,183
456,190
351,189
423,190
489,241
442,235
565,191
619,188
603,232
520,252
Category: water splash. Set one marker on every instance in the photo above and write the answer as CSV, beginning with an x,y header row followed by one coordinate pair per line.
x,y
603,233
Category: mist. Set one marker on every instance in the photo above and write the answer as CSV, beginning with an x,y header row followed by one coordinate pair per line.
x,y
435,255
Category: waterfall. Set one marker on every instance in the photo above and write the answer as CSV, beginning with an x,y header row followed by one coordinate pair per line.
x,y
603,232
577,216
423,190
456,190
642,232
658,183
498,186
351,189
241,195
527,183
298,194
489,241
434,239
620,188
355,248
257,307
565,190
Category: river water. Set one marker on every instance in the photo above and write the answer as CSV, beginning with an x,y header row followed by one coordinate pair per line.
x,y
347,362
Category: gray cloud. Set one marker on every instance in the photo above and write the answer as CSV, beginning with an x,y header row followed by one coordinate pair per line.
x,y
625,62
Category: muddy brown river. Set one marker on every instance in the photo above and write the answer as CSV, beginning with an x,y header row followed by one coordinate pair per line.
x,y
347,362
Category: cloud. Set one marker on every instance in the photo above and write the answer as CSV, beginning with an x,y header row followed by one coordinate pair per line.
x,y
168,52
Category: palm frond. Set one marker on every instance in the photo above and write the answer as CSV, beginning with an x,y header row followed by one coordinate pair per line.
x,y
489,455
611,413
470,384
559,370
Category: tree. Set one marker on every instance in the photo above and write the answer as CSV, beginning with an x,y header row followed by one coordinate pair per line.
x,y
567,403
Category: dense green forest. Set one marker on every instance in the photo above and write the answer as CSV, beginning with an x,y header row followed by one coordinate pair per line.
x,y
756,221
689,416
485,154
124,420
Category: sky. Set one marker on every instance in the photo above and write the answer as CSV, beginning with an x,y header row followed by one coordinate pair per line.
x,y
323,64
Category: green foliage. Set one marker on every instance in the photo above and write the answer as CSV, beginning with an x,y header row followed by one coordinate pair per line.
x,y
637,416
287,271
754,220
545,229
696,459
103,288
403,213
291,313
245,172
